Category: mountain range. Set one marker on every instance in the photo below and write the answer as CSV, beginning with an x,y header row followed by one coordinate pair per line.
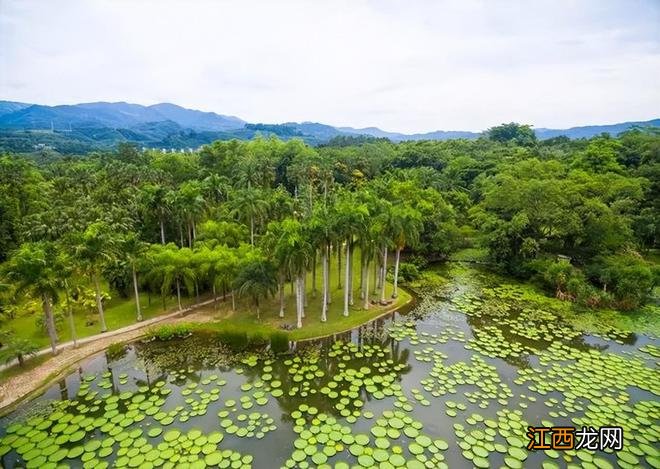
x,y
79,128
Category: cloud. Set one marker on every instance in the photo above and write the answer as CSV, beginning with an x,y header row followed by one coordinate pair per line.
x,y
417,65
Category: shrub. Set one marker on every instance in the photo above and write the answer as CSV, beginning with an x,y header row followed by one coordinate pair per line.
x,y
58,316
279,342
170,331
408,272
115,351
17,348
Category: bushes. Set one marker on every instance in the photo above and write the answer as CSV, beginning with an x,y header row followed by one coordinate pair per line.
x,y
170,331
408,272
625,280
115,351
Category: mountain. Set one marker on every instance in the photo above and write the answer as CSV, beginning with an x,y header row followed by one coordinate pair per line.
x,y
593,130
113,115
7,107
399,137
80,128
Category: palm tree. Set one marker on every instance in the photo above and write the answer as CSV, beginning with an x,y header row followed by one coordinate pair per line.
x,y
155,203
405,229
352,217
33,268
322,234
256,278
170,266
67,270
17,348
249,206
93,248
133,250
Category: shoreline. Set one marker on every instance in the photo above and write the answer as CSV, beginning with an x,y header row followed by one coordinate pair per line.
x,y
28,385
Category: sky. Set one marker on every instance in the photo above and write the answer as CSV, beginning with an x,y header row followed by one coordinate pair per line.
x,y
407,66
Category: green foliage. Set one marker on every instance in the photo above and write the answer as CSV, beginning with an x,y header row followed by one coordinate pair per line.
x,y
512,132
115,351
408,272
16,348
170,331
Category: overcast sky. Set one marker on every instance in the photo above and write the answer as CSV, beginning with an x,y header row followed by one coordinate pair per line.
x,y
407,66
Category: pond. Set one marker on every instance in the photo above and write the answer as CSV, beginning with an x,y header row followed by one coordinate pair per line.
x,y
455,382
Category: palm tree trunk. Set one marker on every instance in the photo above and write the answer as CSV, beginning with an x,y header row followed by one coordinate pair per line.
x,y
99,302
215,297
304,292
339,265
366,284
178,294
137,295
376,275
324,304
314,275
298,302
233,301
256,303
364,274
50,322
395,293
181,234
383,274
162,231
328,255
72,325
252,230
280,288
347,284
349,259
189,233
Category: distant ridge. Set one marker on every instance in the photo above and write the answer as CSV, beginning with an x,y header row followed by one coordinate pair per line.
x,y
83,127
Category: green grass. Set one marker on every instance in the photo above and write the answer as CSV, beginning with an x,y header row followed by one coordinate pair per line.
x,y
119,312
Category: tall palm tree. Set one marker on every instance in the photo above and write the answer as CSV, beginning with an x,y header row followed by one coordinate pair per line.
x,y
352,216
256,278
132,250
155,203
405,230
33,268
248,205
93,248
170,266
322,234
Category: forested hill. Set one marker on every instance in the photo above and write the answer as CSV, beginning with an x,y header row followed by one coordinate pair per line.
x,y
81,128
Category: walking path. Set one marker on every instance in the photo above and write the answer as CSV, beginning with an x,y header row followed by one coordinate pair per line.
x,y
24,384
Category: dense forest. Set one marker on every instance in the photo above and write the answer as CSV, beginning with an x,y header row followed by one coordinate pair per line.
x,y
579,217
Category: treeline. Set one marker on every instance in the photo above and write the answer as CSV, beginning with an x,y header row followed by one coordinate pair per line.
x,y
248,217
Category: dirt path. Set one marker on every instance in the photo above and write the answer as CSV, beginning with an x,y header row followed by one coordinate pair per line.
x,y
24,384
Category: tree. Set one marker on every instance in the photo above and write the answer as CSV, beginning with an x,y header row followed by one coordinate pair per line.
x,y
171,267
17,348
132,250
405,228
256,278
512,132
33,268
249,206
351,218
94,248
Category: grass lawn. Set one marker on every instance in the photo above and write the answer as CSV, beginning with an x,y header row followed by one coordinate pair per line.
x,y
119,312
245,316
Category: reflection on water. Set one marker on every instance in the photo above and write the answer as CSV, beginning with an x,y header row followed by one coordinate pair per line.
x,y
451,383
